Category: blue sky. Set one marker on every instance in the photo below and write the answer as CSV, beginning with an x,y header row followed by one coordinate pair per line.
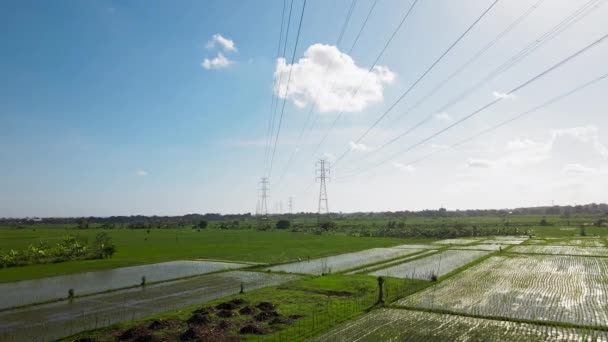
x,y
107,108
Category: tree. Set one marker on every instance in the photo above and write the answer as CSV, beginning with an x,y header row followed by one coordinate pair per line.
x,y
83,223
283,224
103,245
202,224
328,225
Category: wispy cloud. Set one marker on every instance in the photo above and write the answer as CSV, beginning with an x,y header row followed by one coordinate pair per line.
x,y
141,173
226,43
219,62
404,167
479,163
444,117
578,169
330,79
500,95
358,147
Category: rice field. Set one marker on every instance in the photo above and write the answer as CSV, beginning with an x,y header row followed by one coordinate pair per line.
x,y
51,321
50,288
416,246
343,262
406,325
582,242
533,287
455,241
391,263
503,241
480,247
437,264
561,250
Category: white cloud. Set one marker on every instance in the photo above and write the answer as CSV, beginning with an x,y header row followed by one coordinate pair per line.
x,y
500,95
586,134
569,144
331,80
404,167
578,169
141,173
479,163
358,147
219,62
227,44
445,117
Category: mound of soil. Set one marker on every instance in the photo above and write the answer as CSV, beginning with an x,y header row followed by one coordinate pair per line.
x,y
225,314
159,324
190,335
252,329
281,320
204,311
238,301
207,334
223,325
248,310
266,306
265,315
198,318
133,333
226,306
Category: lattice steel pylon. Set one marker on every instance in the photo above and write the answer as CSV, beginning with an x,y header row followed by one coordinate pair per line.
x,y
263,196
291,205
323,175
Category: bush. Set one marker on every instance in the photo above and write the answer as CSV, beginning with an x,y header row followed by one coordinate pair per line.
x,y
283,224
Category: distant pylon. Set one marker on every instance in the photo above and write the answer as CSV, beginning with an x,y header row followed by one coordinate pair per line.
x,y
323,175
263,195
291,205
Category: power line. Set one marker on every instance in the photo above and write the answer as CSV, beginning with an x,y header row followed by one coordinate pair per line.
x,y
388,42
518,57
413,85
491,103
549,102
473,58
275,98
313,105
274,150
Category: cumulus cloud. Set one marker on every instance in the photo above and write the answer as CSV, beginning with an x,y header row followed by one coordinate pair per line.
x,y
141,173
578,169
219,62
404,167
445,117
331,80
225,43
500,95
479,163
358,147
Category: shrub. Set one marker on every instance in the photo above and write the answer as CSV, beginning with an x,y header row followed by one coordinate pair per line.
x,y
283,224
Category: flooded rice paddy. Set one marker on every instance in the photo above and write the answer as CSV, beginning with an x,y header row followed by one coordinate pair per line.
x,y
56,320
406,325
51,288
437,264
567,289
346,261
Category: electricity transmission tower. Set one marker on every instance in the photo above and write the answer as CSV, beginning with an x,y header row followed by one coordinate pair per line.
x,y
291,205
262,207
323,175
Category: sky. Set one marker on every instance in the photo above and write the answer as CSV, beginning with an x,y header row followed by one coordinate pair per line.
x,y
164,108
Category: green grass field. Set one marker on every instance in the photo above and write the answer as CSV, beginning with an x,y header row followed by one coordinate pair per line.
x,y
136,247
